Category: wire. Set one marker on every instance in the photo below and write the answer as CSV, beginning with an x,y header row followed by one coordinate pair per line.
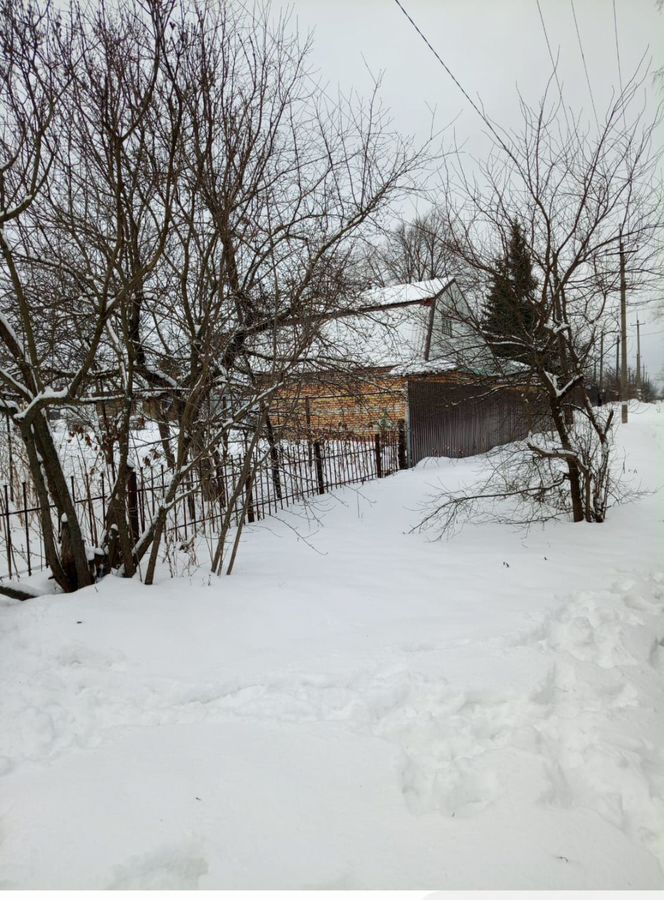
x,y
449,72
583,57
553,62
615,31
620,81
639,304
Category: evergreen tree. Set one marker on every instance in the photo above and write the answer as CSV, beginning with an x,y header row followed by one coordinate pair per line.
x,y
510,313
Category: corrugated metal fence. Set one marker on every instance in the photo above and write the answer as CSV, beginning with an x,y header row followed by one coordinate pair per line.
x,y
462,420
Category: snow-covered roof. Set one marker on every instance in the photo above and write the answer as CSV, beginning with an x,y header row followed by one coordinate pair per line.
x,y
403,293
376,338
387,328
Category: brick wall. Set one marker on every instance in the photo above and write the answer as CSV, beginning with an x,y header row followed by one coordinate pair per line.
x,y
362,405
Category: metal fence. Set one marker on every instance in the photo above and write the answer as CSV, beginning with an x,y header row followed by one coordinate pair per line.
x,y
278,477
463,420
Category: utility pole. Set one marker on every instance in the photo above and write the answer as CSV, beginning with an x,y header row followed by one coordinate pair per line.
x,y
638,358
601,363
623,333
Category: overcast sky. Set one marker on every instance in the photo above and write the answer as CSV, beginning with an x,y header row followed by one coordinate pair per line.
x,y
493,47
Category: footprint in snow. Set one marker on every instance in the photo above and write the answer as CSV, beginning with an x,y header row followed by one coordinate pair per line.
x,y
169,868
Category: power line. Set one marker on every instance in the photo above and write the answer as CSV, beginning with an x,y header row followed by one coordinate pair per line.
x,y
583,57
615,32
450,73
620,80
553,62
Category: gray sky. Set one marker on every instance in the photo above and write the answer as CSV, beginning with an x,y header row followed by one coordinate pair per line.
x,y
493,47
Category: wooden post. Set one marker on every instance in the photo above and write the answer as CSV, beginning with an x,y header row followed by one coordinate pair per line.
x,y
250,501
401,451
379,459
319,467
132,502
66,551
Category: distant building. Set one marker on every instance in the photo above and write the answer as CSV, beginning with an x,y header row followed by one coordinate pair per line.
x,y
402,359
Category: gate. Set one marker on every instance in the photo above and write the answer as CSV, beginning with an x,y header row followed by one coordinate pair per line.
x,y
462,420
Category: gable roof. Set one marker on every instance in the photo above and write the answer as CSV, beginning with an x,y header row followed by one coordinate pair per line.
x,y
387,328
403,294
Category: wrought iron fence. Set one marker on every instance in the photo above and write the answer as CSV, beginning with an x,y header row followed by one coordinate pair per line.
x,y
277,477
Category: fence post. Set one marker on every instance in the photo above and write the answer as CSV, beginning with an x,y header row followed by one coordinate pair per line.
x,y
201,486
11,458
319,467
250,500
9,533
401,447
379,459
274,457
66,552
93,525
307,414
27,529
132,502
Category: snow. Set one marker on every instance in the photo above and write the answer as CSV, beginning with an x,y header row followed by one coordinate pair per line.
x,y
12,211
7,326
42,398
375,339
425,367
386,327
403,293
390,330
360,708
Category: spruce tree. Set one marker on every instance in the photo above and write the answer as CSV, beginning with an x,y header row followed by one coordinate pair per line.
x,y
510,313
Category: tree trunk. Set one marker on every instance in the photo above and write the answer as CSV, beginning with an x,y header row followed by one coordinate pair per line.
x,y
77,571
573,473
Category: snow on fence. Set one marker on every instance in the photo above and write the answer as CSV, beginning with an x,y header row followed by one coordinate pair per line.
x,y
279,476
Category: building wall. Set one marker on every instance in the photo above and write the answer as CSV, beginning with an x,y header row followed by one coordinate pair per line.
x,y
446,414
363,404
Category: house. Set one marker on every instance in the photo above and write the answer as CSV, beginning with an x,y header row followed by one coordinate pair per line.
x,y
403,359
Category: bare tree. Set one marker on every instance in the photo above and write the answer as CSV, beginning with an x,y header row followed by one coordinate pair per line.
x,y
181,206
32,83
587,205
413,251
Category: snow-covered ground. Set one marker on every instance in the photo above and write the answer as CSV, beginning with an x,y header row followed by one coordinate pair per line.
x,y
365,708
